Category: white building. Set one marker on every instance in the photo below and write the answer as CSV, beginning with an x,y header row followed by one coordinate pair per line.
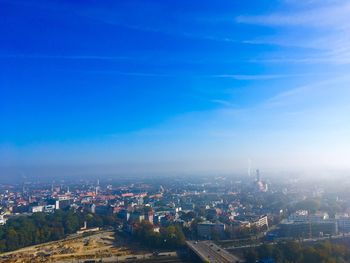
x,y
261,222
37,209
2,220
303,216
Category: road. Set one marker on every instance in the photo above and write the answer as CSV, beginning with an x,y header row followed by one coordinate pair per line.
x,y
167,256
209,252
305,240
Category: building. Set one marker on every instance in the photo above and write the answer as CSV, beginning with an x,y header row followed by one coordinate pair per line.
x,y
92,208
343,222
260,185
62,203
210,230
36,209
49,208
247,221
306,225
137,217
2,220
303,216
261,222
307,230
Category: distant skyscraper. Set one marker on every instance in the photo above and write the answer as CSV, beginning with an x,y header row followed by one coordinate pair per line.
x,y
97,189
249,167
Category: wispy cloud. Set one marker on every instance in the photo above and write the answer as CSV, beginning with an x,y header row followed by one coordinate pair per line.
x,y
251,77
336,87
322,26
224,103
324,16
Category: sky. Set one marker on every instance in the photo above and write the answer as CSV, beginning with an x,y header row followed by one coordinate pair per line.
x,y
160,86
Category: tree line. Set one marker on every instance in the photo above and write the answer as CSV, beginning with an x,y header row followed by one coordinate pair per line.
x,y
170,237
40,227
293,252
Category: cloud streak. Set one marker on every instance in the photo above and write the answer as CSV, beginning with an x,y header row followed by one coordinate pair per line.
x,y
336,87
253,77
321,26
325,16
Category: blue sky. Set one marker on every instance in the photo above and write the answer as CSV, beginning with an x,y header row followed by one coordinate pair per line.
x,y
175,86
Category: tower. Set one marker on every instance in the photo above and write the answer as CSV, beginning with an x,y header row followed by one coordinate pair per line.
x,y
249,168
97,188
258,175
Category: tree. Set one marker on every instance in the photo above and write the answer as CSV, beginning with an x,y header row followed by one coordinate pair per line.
x,y
188,216
310,255
11,239
71,223
169,237
41,227
251,256
291,251
265,251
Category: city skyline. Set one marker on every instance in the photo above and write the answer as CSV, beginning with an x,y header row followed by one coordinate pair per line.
x,y
156,86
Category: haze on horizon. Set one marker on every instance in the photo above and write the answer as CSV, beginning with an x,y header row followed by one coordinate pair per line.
x,y
143,86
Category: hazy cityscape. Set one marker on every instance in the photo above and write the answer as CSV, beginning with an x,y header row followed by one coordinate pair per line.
x,y
175,131
155,217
